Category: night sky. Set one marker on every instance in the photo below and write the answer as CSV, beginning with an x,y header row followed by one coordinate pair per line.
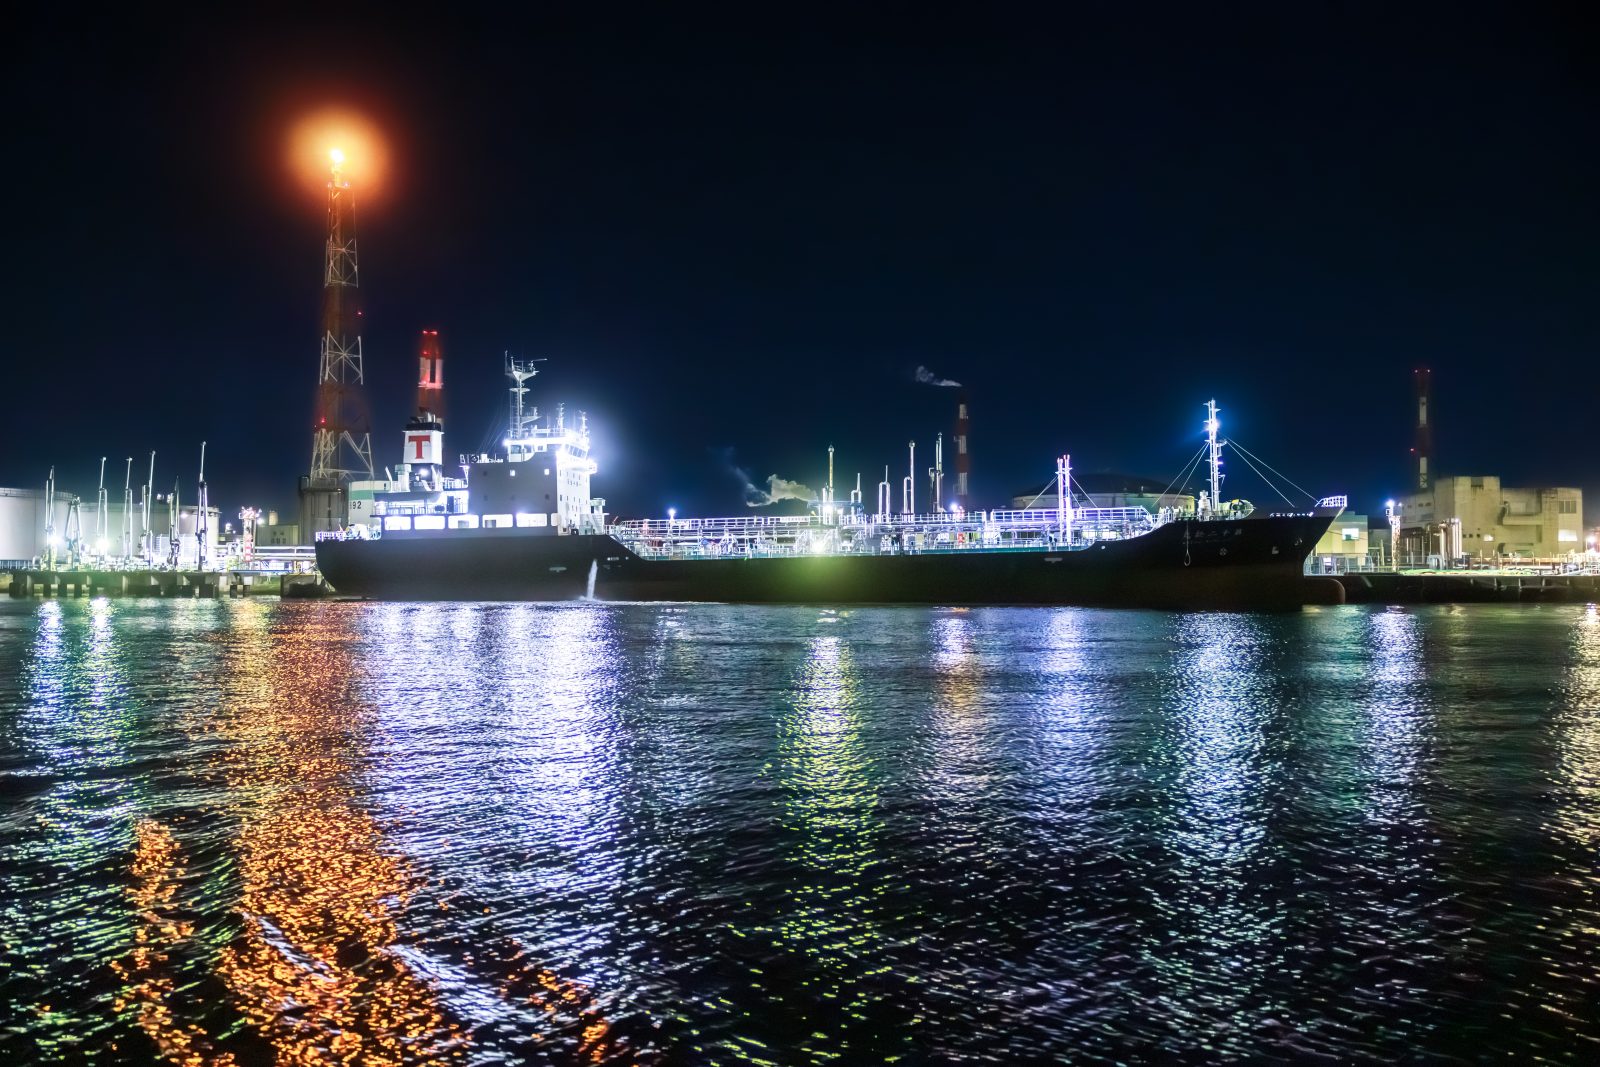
x,y
737,232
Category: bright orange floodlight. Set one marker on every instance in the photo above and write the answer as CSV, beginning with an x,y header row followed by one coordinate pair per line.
x,y
340,141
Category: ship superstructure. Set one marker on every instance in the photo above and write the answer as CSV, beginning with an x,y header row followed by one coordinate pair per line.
x,y
539,481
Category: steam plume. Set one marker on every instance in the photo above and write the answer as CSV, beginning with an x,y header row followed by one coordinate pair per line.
x,y
777,489
927,377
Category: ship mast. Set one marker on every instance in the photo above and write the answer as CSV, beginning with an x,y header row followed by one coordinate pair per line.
x,y
1064,500
519,371
1214,458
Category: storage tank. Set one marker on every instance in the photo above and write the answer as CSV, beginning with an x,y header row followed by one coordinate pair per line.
x,y
22,524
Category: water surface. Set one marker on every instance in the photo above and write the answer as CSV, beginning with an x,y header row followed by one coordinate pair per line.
x,y
258,832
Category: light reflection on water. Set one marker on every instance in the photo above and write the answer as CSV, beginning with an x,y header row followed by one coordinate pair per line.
x,y
315,833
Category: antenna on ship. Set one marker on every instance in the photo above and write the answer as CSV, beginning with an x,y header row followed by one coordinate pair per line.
x,y
519,371
1214,458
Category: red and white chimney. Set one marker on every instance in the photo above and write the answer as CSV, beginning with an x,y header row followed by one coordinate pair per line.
x,y
963,456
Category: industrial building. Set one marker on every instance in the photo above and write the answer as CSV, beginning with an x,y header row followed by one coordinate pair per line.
x,y
25,531
1477,517
1346,545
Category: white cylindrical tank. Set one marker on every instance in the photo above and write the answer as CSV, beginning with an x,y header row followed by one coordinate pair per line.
x,y
22,524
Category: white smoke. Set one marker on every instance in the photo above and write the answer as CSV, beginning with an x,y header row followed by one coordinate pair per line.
x,y
777,489
927,377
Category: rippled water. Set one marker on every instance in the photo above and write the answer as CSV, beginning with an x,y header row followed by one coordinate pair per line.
x,y
259,832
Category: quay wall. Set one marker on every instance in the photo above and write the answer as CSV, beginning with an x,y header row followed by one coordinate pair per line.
x,y
1469,588
1364,588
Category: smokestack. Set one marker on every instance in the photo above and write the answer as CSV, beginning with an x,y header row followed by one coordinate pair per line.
x,y
963,457
1424,448
430,380
424,447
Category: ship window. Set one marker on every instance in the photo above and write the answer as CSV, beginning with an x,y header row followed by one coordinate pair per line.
x,y
1477,483
1569,507
1351,533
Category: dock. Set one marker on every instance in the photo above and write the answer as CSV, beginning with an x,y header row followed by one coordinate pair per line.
x,y
1468,587
23,584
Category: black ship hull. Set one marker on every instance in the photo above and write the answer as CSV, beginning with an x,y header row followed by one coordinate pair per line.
x,y
1254,563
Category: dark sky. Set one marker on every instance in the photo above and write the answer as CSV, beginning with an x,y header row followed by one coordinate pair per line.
x,y
744,228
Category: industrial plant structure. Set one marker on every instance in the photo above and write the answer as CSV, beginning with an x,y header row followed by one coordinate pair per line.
x,y
1475,517
31,519
341,438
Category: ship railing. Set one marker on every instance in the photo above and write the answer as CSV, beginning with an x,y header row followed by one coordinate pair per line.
x,y
676,527
746,536
1134,517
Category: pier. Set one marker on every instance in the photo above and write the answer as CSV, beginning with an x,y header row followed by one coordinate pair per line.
x,y
23,584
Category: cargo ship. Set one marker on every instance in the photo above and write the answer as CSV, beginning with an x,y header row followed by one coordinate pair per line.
x,y
520,524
